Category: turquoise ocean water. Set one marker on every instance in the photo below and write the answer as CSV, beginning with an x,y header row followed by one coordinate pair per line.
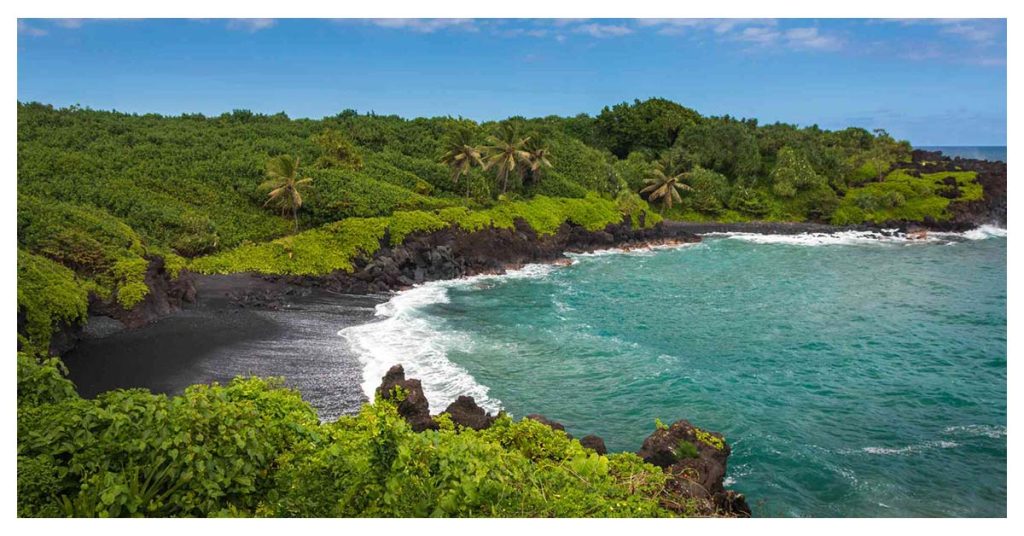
x,y
852,376
980,152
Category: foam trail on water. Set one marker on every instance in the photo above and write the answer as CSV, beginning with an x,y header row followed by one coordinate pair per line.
x,y
981,233
978,430
885,236
884,451
409,337
644,251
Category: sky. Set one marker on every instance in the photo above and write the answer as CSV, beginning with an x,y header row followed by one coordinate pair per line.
x,y
931,81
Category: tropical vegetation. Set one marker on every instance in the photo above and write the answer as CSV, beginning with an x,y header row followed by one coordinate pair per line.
x,y
103,195
254,448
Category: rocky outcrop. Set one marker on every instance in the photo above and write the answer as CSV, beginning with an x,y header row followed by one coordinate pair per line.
x,y
413,405
465,413
693,459
594,443
548,422
453,252
966,215
166,295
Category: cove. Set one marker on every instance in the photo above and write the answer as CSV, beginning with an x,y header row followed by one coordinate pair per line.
x,y
853,376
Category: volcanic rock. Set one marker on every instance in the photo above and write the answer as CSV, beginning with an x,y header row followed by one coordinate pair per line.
x,y
414,407
464,412
594,443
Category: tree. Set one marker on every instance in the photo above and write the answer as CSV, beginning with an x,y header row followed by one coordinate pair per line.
x,y
711,190
793,173
460,154
285,185
651,124
724,145
336,150
506,151
664,186
538,159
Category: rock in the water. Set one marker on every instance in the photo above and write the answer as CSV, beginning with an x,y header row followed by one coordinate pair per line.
x,y
594,443
414,408
732,503
464,412
689,454
548,422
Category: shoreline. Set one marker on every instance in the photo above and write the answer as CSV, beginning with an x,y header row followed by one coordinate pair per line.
x,y
248,324
278,324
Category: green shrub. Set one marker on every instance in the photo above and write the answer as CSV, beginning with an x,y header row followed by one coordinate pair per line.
x,y
335,246
905,197
48,295
252,448
211,451
710,192
685,450
709,439
42,381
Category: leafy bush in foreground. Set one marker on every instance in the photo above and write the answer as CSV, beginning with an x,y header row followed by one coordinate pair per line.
x,y
254,448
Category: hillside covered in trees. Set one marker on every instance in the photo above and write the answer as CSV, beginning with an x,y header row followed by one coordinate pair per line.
x,y
100,192
104,197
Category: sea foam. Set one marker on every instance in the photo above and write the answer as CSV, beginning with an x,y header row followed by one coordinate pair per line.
x,y
911,449
407,336
885,236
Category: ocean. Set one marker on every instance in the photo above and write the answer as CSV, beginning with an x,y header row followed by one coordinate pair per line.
x,y
983,152
852,376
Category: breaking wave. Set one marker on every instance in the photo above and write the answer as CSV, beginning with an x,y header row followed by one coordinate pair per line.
x,y
408,336
884,236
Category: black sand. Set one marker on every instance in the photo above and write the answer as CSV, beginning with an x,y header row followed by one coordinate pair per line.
x,y
213,342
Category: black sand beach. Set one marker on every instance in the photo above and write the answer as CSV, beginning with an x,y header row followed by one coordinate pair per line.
x,y
213,341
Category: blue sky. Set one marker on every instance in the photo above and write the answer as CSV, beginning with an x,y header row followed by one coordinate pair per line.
x,y
934,82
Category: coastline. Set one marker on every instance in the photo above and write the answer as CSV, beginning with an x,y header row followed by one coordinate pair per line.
x,y
245,324
252,324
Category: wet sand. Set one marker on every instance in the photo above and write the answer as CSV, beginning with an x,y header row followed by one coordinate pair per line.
x,y
214,342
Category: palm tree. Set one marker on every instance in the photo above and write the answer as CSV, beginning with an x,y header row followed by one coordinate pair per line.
x,y
538,158
506,150
285,185
664,187
461,155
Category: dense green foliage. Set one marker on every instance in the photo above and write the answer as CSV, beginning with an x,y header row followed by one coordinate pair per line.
x,y
102,193
905,197
254,448
48,294
336,245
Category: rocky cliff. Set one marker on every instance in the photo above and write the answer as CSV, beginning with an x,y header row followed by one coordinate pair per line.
x,y
695,460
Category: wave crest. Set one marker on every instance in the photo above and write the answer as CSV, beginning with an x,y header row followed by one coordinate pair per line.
x,y
408,336
884,236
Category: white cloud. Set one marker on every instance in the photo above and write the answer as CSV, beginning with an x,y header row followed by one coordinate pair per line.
x,y
808,38
251,25
811,38
973,32
566,22
759,35
25,29
69,24
425,25
717,26
519,32
603,30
